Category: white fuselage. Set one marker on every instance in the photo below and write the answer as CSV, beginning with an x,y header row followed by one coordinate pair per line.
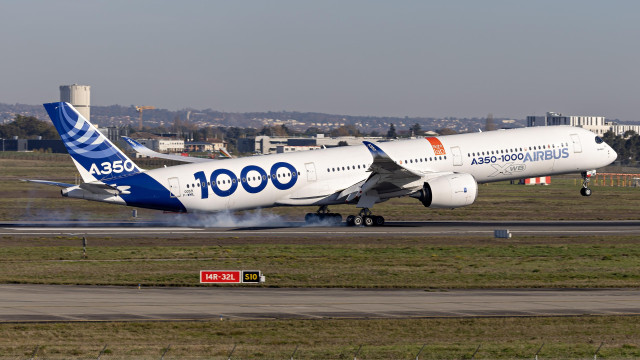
x,y
315,177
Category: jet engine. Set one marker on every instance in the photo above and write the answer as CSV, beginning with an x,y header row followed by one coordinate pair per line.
x,y
448,191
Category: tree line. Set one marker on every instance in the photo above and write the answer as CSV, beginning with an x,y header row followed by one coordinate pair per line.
x,y
627,146
28,127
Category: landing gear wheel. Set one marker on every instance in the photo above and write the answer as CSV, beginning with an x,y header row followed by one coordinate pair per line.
x,y
310,217
350,220
368,220
586,178
323,215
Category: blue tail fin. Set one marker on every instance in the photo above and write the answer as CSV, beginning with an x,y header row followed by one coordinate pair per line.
x,y
94,155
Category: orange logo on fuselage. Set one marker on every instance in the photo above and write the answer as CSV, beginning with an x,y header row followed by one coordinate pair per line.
x,y
438,148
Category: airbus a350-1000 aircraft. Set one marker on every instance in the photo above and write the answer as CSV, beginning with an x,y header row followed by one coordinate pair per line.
x,y
441,172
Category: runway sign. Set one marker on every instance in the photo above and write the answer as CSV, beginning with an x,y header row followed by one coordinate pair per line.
x,y
231,277
220,276
251,276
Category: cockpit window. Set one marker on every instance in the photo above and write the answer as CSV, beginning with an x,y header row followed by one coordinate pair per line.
x,y
599,140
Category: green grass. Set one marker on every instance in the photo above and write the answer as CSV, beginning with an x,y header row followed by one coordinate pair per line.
x,y
474,262
500,338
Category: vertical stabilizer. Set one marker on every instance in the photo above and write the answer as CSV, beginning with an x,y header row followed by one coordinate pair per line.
x,y
95,156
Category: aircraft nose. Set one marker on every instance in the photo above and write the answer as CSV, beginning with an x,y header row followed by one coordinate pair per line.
x,y
613,155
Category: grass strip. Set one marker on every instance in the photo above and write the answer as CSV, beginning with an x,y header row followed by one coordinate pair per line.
x,y
500,338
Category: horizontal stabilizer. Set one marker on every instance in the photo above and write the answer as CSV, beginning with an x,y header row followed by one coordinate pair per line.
x,y
52,183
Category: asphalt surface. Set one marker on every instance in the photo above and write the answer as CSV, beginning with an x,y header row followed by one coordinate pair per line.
x,y
44,303
293,229
59,303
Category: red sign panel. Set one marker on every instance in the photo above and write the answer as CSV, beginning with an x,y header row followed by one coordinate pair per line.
x,y
220,276
438,148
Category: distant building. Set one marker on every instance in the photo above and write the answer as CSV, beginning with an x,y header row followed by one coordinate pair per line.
x,y
159,143
271,145
292,148
204,146
597,124
218,144
621,129
114,133
54,146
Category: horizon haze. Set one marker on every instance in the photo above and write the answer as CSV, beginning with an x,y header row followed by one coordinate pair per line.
x,y
416,59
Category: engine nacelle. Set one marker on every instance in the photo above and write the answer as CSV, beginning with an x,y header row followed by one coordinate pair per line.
x,y
449,191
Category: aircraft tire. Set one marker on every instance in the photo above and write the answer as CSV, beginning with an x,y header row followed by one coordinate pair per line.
x,y
311,218
350,220
357,220
368,220
378,220
337,218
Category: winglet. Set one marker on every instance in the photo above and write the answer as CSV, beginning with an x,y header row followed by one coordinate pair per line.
x,y
376,151
134,144
225,153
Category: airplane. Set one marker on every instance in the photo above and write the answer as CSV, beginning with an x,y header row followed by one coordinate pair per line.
x,y
439,171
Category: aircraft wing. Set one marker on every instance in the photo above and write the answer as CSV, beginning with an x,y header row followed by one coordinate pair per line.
x,y
390,169
141,149
387,176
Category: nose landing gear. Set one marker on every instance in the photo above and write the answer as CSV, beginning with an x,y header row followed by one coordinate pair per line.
x,y
586,178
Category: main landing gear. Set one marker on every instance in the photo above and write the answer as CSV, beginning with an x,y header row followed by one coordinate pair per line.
x,y
586,178
365,218
323,215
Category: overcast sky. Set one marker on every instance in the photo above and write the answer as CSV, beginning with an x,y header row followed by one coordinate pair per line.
x,y
399,58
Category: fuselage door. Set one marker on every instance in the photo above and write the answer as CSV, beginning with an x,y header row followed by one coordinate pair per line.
x,y
174,187
311,171
457,156
577,146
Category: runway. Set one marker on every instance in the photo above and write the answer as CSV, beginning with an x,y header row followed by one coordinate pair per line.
x,y
293,229
51,303
56,303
